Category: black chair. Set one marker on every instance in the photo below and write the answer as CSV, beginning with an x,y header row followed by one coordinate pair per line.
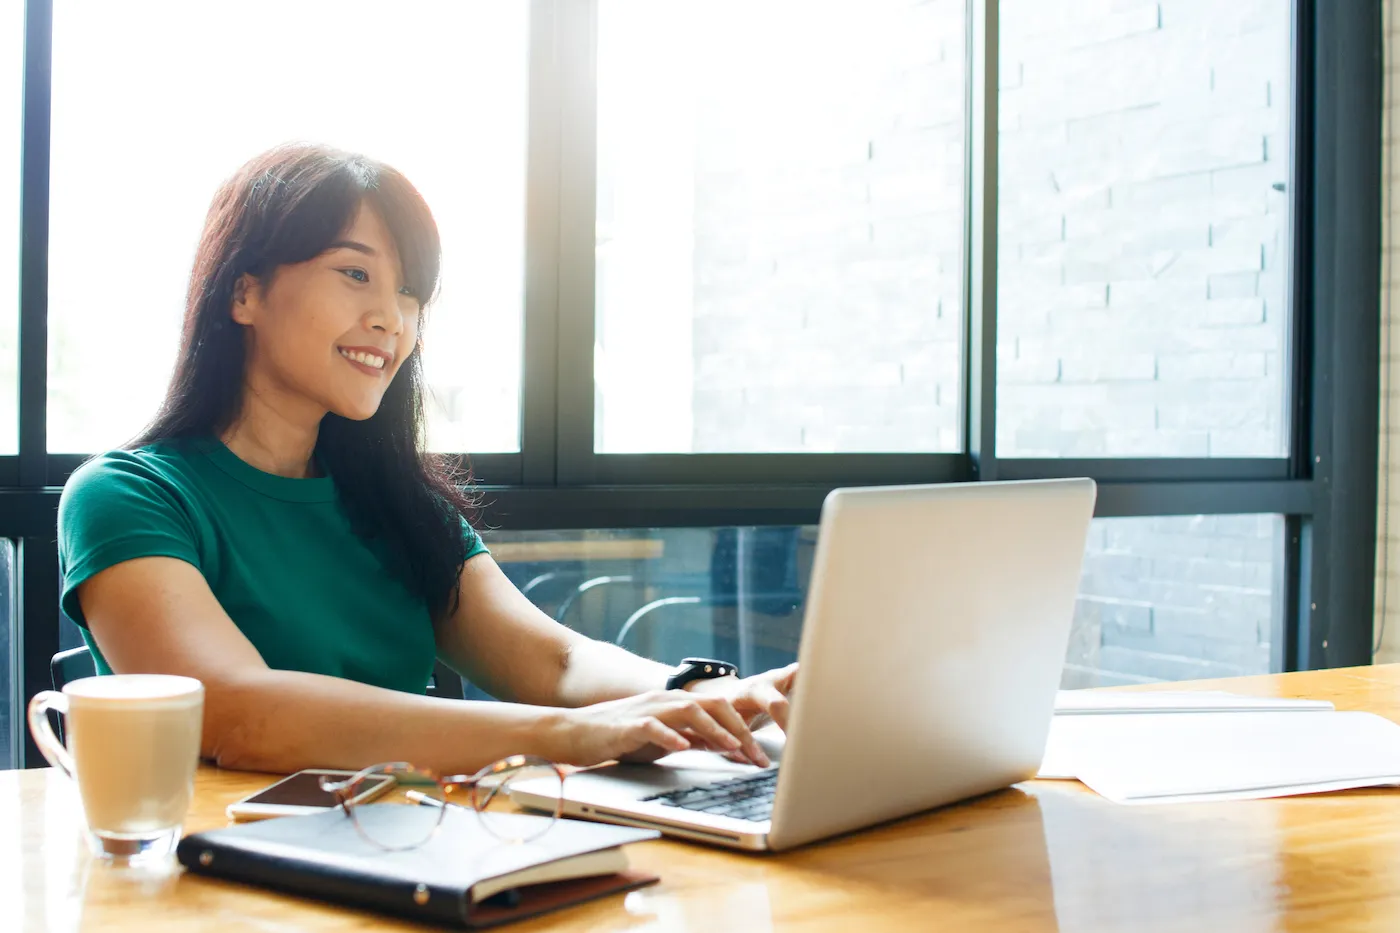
x,y
445,683
66,667
71,665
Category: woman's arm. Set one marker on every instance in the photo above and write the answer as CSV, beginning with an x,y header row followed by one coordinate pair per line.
x,y
503,643
158,615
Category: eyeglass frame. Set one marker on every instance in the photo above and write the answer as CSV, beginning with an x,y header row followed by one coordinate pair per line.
x,y
447,784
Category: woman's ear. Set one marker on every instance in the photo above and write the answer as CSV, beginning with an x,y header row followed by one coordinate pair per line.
x,y
245,297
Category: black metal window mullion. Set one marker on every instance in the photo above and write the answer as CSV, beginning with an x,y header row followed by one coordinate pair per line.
x,y
577,32
778,468
1296,605
539,390
34,244
36,630
37,638
1293,584
1148,469
1343,262
980,240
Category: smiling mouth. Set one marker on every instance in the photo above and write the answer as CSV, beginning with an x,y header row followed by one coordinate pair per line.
x,y
369,362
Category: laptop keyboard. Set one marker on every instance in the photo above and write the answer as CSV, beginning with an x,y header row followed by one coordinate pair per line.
x,y
743,798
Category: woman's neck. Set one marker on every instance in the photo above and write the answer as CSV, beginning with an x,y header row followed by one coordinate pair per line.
x,y
266,438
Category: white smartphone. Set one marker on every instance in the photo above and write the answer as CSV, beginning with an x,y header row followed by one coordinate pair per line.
x,y
300,794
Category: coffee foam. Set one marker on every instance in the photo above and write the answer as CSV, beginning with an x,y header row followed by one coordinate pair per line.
x,y
136,688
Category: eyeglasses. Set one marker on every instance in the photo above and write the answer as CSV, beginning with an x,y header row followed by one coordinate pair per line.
x,y
392,831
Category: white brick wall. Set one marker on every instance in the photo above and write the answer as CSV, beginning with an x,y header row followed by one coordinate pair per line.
x,y
1137,166
1388,532
1141,272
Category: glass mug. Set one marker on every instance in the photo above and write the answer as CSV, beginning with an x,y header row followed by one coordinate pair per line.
x,y
133,747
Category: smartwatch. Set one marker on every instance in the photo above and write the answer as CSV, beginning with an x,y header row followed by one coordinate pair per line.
x,y
693,669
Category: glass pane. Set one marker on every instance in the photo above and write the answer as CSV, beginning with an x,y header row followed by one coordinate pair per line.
x,y
11,719
155,103
732,593
1143,228
780,226
11,115
1176,599
1161,598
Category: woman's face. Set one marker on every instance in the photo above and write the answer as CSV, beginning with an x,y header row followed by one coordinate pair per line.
x,y
328,335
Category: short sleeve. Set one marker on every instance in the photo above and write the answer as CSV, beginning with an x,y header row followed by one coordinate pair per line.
x,y
473,541
116,508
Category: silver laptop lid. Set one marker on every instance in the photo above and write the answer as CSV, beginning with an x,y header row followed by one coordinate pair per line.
x,y
935,632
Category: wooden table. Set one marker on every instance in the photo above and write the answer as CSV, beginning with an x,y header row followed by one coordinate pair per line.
x,y
1041,856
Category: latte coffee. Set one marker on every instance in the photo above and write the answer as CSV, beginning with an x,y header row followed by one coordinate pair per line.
x,y
133,747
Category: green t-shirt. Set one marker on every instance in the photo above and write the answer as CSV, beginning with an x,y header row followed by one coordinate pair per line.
x,y
278,553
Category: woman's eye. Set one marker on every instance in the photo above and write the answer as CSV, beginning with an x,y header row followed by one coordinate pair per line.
x,y
408,290
359,275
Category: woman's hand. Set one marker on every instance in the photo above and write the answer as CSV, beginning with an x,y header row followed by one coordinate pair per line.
x,y
759,699
650,725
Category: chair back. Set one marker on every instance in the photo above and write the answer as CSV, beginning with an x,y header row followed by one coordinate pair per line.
x,y
70,665
445,683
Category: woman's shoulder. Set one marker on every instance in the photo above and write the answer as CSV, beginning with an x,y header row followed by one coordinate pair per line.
x,y
163,464
129,503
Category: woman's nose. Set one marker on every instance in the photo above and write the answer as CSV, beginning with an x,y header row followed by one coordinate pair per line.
x,y
386,316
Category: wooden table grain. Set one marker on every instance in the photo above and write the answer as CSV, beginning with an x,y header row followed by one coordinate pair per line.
x,y
1040,856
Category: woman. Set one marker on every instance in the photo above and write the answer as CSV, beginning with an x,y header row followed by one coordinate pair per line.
x,y
279,533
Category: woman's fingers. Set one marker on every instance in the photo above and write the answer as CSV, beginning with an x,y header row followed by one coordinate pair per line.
x,y
723,712
672,721
654,731
698,717
771,700
688,714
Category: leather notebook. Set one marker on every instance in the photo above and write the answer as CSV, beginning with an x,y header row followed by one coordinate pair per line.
x,y
463,876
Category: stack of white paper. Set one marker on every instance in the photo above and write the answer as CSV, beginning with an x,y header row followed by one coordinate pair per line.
x,y
1195,756
1093,702
1067,743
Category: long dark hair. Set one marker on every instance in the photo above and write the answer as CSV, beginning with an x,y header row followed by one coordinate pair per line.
x,y
287,206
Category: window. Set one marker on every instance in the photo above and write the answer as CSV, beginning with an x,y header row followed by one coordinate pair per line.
x,y
734,593
1177,598
775,218
155,103
779,238
1143,228
1170,598
11,116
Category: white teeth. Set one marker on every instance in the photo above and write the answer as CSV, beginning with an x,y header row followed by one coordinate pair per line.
x,y
365,359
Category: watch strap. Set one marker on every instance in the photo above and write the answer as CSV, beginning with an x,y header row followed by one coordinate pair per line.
x,y
693,669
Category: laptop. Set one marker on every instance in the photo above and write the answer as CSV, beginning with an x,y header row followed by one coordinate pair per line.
x,y
936,627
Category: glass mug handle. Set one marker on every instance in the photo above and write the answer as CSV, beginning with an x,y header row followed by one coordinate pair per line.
x,y
39,727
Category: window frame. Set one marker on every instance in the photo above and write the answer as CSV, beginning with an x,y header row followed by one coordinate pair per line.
x,y
1325,487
